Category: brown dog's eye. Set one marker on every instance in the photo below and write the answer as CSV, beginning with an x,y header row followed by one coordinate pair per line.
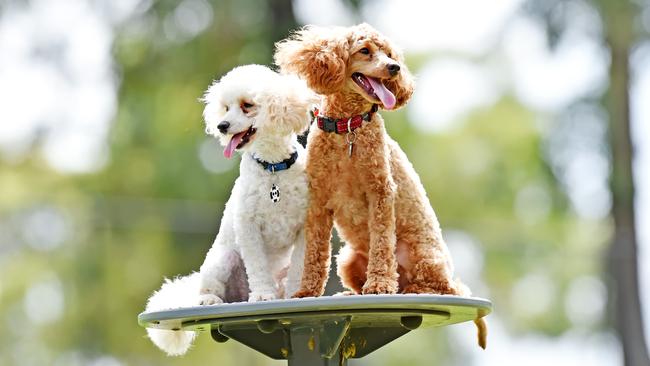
x,y
365,51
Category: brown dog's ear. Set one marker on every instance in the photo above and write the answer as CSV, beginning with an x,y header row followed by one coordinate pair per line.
x,y
318,55
402,86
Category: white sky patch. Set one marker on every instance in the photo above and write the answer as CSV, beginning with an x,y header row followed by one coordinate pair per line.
x,y
468,259
640,113
44,301
59,87
322,12
448,89
190,18
547,80
76,151
586,183
465,26
45,228
533,295
532,203
120,10
530,349
585,301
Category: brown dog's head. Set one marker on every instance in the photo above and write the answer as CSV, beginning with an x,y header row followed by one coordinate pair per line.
x,y
357,59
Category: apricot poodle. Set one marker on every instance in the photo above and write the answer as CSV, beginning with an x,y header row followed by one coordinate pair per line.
x,y
360,180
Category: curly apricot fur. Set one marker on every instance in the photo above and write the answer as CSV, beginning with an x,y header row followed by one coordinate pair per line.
x,y
374,198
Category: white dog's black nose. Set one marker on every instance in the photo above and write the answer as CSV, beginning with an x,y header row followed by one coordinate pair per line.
x,y
393,69
223,126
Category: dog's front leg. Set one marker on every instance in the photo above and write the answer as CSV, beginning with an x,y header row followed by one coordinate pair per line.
x,y
218,264
318,233
215,272
296,265
258,270
382,264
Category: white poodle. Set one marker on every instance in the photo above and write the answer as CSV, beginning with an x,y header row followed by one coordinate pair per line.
x,y
258,252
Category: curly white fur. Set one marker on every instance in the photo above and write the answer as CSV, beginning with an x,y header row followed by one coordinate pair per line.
x,y
176,293
258,252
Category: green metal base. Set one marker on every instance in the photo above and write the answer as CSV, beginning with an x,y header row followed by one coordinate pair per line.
x,y
320,331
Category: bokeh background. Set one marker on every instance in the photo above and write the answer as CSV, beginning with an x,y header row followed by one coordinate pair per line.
x,y
530,128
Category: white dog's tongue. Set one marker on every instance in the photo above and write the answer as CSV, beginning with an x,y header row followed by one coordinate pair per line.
x,y
387,98
232,144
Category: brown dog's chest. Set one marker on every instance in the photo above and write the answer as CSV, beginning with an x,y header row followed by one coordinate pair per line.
x,y
343,180
348,196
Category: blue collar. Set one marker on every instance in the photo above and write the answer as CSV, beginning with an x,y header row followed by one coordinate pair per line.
x,y
276,167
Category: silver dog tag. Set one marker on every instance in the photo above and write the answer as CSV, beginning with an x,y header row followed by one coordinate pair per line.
x,y
351,137
275,193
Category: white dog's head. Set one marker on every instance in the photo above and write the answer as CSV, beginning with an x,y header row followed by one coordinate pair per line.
x,y
251,103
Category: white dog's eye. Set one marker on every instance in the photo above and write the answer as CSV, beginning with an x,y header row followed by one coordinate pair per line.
x,y
245,106
226,107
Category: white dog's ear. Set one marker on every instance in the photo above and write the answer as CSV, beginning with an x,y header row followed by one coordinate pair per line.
x,y
299,100
213,110
286,106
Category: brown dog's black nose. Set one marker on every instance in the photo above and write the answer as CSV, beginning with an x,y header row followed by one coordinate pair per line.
x,y
393,69
223,126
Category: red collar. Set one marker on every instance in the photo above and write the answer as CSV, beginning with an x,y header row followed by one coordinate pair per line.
x,y
343,125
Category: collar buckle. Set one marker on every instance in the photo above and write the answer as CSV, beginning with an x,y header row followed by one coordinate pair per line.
x,y
327,124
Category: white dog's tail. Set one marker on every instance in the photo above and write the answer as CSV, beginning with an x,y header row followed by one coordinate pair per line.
x,y
177,293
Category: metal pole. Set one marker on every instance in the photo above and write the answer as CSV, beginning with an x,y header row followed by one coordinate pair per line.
x,y
320,345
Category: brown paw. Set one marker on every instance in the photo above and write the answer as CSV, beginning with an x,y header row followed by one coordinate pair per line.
x,y
438,290
345,293
305,293
414,289
378,287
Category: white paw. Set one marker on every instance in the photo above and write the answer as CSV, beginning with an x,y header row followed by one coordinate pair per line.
x,y
209,299
261,296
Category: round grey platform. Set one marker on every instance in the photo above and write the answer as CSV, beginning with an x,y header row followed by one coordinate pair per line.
x,y
324,330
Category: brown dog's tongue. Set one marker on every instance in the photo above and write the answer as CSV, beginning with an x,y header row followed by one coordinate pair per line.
x,y
232,144
387,98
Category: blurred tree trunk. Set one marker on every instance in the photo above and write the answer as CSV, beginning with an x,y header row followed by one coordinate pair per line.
x,y
282,19
618,17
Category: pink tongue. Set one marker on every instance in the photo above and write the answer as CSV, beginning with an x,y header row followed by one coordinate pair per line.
x,y
387,98
232,144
